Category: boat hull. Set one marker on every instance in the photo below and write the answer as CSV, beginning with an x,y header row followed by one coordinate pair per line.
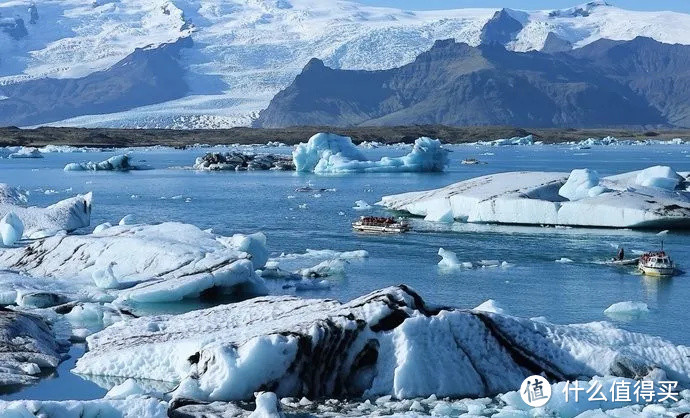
x,y
380,229
658,271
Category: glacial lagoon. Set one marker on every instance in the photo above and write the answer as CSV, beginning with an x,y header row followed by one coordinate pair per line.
x,y
530,284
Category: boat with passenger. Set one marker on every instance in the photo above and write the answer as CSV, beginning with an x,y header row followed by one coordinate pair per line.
x,y
656,263
380,224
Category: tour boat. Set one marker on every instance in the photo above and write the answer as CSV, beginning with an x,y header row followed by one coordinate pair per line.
x,y
380,224
470,161
656,264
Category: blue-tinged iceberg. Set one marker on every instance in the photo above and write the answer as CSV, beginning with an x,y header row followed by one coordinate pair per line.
x,y
116,163
656,197
334,154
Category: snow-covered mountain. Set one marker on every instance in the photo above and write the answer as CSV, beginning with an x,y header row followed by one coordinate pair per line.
x,y
244,51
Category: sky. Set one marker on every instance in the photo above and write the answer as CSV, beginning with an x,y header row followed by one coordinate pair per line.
x,y
676,5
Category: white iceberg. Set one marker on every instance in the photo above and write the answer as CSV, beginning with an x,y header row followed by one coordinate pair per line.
x,y
26,152
28,346
332,154
11,229
115,163
65,215
627,309
152,263
389,342
362,205
449,260
533,198
516,140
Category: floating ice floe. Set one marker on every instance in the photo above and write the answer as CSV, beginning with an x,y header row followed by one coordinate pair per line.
x,y
362,205
651,198
26,152
449,261
516,140
320,264
27,345
147,263
240,161
115,163
389,342
332,154
132,407
627,309
65,215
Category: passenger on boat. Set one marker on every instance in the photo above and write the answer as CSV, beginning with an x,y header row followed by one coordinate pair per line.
x,y
621,254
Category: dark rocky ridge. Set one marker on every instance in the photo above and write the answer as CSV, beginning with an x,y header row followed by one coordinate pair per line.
x,y
106,137
604,84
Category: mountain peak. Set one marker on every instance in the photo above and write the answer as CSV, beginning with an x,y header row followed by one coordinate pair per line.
x,y
314,64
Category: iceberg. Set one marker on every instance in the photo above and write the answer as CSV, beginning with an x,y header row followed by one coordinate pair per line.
x,y
115,163
516,140
389,342
148,263
28,345
11,229
65,215
449,260
627,309
333,154
26,152
362,205
241,161
638,199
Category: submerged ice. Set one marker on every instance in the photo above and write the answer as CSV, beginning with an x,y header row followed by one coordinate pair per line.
x,y
331,154
651,198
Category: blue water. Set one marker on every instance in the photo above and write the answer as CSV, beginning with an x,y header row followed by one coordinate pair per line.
x,y
230,202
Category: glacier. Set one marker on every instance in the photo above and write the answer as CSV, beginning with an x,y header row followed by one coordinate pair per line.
x,y
65,215
139,263
235,69
326,153
651,198
389,342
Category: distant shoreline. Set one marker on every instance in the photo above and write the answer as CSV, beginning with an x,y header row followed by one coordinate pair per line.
x,y
107,137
